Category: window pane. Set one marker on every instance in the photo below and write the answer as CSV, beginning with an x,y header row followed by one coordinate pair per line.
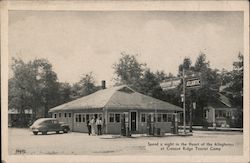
x,y
117,118
54,115
220,113
69,114
59,114
65,114
216,114
83,117
76,117
159,117
143,118
80,117
111,117
164,116
87,117
170,117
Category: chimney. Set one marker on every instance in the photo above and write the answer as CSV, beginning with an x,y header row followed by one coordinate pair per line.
x,y
103,84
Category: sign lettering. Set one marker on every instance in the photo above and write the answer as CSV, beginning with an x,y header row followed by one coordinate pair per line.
x,y
193,83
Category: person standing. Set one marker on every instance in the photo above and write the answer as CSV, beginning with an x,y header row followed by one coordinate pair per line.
x,y
99,126
92,123
89,127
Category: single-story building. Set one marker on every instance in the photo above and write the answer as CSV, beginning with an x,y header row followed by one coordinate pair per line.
x,y
114,103
220,112
14,118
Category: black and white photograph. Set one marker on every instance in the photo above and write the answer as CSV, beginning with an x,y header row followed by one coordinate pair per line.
x,y
103,82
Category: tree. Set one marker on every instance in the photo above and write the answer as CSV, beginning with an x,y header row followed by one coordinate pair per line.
x,y
225,77
137,76
187,64
48,83
85,86
65,92
129,71
21,88
33,86
237,75
148,83
210,86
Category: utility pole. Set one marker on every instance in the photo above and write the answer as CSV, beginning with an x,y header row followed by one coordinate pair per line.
x,y
184,103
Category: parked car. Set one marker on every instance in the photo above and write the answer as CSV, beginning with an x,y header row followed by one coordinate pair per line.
x,y
45,125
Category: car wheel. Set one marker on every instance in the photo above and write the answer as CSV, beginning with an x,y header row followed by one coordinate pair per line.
x,y
44,132
35,132
65,130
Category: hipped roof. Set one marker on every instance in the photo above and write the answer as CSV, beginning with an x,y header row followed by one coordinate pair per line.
x,y
118,98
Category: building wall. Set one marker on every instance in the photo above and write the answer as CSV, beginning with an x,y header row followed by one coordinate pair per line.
x,y
80,126
219,115
115,126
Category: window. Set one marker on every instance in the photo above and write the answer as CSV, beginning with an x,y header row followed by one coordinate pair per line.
x,y
47,122
76,117
55,115
143,117
111,117
87,117
159,117
216,114
69,114
170,117
223,114
164,117
83,117
117,118
206,115
100,116
60,114
79,117
65,114
229,114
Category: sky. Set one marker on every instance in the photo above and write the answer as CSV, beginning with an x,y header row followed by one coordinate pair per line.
x,y
78,42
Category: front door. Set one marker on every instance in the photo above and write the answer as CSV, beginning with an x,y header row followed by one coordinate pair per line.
x,y
133,121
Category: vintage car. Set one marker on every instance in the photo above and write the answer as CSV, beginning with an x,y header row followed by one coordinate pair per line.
x,y
45,125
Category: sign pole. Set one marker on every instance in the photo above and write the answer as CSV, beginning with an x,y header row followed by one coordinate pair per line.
x,y
184,103
191,119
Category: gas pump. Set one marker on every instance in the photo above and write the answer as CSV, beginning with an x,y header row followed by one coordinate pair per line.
x,y
153,120
149,125
128,133
176,123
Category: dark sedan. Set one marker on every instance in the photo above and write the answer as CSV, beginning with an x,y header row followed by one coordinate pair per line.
x,y
45,125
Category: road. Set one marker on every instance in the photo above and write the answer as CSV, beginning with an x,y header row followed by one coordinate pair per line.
x,y
22,141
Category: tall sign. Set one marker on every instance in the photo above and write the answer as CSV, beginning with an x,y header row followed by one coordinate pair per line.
x,y
193,83
170,84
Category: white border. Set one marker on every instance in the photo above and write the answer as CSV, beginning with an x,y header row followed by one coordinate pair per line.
x,y
121,5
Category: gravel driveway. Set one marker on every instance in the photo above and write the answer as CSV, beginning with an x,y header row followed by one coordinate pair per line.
x,y
22,141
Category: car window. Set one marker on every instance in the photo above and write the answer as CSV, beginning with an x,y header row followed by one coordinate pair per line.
x,y
48,122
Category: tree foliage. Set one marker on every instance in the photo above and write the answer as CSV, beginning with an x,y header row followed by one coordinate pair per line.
x,y
85,86
129,71
33,86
